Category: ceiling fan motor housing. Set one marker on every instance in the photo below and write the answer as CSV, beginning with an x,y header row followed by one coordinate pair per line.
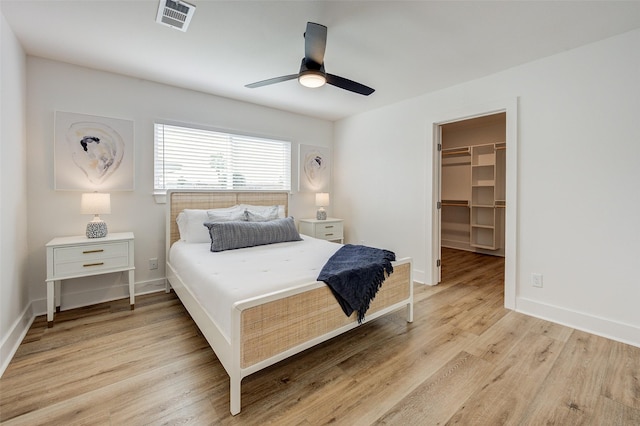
x,y
313,76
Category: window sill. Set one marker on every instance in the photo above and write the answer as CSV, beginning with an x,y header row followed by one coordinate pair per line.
x,y
160,197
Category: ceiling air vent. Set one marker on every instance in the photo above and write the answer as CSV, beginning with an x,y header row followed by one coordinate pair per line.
x,y
175,14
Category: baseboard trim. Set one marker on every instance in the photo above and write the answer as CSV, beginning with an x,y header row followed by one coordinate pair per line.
x,y
12,341
610,329
100,295
419,276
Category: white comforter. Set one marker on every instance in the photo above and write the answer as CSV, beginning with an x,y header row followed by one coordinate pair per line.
x,y
218,280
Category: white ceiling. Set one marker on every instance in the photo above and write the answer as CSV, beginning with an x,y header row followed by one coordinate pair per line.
x,y
402,49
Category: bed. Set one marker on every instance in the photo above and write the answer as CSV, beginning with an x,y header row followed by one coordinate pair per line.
x,y
267,328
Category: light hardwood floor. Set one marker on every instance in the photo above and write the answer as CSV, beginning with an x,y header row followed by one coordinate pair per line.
x,y
464,360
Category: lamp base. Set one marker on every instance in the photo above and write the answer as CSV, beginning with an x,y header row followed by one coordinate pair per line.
x,y
321,214
96,229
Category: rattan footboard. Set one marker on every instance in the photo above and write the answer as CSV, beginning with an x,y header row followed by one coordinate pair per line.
x,y
274,327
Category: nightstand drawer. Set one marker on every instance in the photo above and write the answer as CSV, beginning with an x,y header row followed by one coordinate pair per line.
x,y
329,231
90,251
88,266
84,259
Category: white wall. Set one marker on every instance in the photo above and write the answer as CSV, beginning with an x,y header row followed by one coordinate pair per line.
x,y
578,188
15,315
57,86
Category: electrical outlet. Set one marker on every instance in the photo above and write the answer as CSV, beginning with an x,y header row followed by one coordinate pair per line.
x,y
536,280
153,263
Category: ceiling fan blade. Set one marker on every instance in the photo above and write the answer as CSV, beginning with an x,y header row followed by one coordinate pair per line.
x,y
352,86
315,43
271,81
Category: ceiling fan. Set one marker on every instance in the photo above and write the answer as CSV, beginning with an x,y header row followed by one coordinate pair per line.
x,y
312,73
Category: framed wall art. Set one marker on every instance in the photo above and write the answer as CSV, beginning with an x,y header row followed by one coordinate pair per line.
x,y
93,153
314,169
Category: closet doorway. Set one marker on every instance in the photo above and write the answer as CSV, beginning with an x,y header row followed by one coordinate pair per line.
x,y
472,202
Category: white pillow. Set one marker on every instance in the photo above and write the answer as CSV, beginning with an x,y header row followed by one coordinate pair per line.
x,y
226,216
265,215
191,223
264,210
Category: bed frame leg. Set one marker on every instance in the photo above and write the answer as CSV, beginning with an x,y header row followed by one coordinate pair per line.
x,y
409,312
235,395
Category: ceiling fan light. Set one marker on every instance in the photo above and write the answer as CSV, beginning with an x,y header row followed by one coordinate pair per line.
x,y
312,80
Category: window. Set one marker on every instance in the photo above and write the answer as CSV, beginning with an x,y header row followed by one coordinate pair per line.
x,y
191,158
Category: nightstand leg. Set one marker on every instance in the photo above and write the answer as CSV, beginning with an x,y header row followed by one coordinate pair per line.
x,y
50,297
132,290
57,294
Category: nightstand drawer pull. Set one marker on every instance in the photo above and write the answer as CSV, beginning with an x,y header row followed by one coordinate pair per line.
x,y
328,226
93,264
328,235
92,251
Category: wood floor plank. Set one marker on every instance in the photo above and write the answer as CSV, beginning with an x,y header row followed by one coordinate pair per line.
x,y
571,391
503,397
464,359
609,412
434,401
95,365
381,386
149,389
495,344
622,379
549,329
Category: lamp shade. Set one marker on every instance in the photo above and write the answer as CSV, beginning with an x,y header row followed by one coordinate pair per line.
x,y
95,203
322,199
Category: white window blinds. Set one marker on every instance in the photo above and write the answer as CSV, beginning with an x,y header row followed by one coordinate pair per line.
x,y
191,158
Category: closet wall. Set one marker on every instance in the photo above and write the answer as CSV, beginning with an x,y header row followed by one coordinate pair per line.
x,y
473,184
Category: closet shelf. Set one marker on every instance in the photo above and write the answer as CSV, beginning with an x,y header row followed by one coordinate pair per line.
x,y
483,246
475,225
455,203
456,161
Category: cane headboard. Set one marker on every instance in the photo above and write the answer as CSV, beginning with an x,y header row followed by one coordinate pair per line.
x,y
193,199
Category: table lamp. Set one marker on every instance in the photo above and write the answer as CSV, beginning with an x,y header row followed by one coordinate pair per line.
x,y
322,200
96,203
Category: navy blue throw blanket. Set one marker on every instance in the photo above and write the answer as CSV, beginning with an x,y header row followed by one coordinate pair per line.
x,y
354,274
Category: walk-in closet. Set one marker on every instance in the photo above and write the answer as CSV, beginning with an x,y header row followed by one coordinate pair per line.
x,y
473,185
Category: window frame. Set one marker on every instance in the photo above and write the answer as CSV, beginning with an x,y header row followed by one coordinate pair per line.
x,y
160,193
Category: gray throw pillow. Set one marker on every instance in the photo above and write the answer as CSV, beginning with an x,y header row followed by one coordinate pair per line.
x,y
233,235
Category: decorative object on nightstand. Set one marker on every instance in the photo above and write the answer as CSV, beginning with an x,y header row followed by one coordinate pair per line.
x,y
322,201
330,229
96,203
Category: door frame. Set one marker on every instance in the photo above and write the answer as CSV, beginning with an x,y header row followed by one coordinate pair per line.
x,y
510,107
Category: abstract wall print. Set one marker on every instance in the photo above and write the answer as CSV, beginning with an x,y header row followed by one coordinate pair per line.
x,y
93,153
314,169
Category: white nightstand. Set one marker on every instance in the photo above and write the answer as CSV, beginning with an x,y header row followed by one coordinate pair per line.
x,y
330,229
75,257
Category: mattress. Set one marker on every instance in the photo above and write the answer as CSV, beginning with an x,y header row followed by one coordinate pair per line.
x,y
218,280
